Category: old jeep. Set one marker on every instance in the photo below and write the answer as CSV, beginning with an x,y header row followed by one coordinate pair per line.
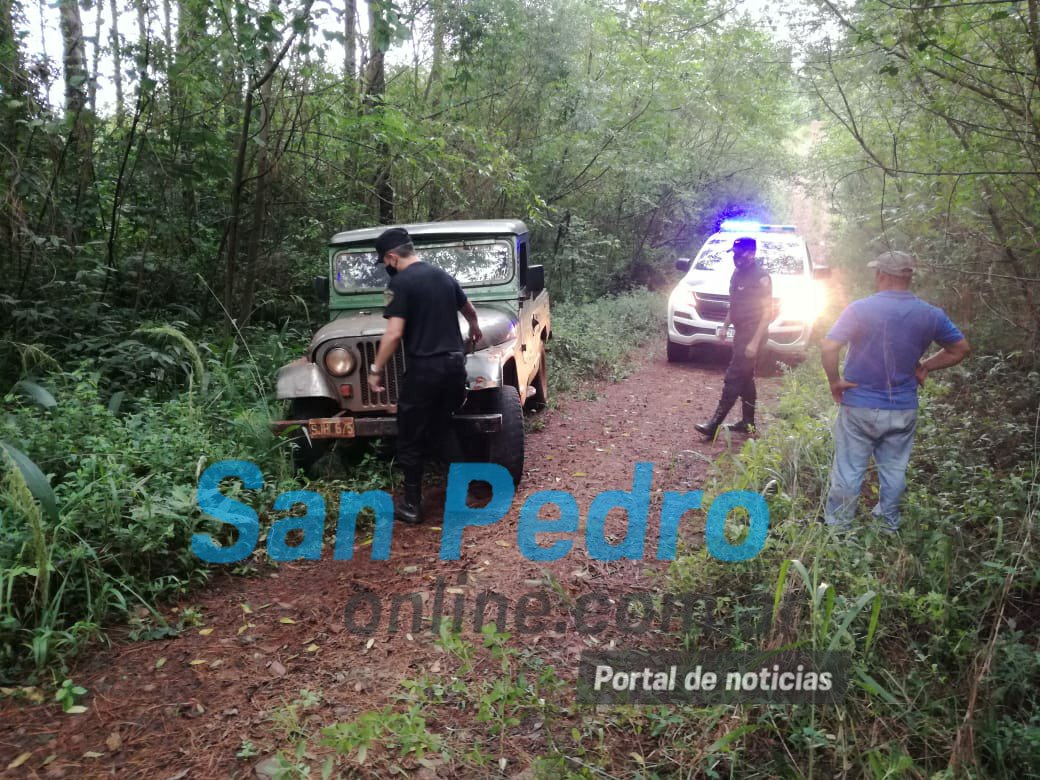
x,y
327,390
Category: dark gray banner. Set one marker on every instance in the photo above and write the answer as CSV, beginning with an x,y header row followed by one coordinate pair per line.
x,y
713,677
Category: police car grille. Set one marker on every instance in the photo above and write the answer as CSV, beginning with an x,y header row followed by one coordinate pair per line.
x,y
712,307
392,374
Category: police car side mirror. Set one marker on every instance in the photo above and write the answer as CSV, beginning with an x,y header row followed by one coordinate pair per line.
x,y
821,272
683,264
535,279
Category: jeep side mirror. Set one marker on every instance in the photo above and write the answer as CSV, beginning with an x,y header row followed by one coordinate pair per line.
x,y
535,279
683,264
821,272
320,287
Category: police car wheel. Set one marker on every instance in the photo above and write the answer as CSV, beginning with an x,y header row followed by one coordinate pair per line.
x,y
678,353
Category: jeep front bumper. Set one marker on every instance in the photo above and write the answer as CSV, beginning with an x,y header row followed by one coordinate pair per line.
x,y
347,427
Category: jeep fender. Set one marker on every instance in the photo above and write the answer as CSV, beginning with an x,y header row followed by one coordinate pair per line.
x,y
484,369
303,379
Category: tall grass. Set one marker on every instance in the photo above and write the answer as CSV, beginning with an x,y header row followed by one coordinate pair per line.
x,y
941,619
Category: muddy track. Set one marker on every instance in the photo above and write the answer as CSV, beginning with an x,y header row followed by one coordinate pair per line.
x,y
181,707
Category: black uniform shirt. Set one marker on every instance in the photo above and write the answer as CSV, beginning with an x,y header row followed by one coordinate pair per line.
x,y
750,295
428,299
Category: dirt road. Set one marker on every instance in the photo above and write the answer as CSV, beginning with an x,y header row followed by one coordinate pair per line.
x,y
184,706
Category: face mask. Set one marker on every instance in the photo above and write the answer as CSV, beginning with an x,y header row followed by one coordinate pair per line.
x,y
390,270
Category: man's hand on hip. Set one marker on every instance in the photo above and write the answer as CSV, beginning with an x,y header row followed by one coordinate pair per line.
x,y
838,389
921,372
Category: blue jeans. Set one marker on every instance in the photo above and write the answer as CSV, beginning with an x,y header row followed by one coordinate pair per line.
x,y
888,435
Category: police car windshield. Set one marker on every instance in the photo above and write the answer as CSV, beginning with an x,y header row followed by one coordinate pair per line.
x,y
778,255
471,263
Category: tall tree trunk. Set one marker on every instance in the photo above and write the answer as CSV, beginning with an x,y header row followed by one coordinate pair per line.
x,y
14,81
74,58
375,90
256,232
14,84
117,62
350,68
96,59
77,117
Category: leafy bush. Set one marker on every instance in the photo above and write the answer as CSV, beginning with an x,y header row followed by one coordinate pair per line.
x,y
121,469
595,340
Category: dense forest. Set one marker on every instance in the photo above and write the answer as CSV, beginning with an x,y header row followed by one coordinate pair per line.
x,y
160,223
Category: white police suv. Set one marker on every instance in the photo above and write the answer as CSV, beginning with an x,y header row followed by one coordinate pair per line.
x,y
698,304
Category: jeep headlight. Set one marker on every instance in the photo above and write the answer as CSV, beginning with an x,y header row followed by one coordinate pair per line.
x,y
340,361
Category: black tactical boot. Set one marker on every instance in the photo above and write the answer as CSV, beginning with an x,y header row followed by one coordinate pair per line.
x,y
409,508
747,419
711,427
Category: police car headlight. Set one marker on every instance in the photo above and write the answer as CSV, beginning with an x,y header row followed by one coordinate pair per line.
x,y
804,305
340,361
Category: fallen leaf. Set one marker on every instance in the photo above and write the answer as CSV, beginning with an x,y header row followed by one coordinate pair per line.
x,y
114,741
286,620
277,668
92,754
206,632
246,608
245,627
76,709
19,761
196,662
502,543
579,474
312,648
160,663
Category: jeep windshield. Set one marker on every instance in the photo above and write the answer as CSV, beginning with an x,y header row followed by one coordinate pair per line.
x,y
472,263
777,254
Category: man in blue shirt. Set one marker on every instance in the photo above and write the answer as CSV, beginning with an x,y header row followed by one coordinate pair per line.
x,y
887,334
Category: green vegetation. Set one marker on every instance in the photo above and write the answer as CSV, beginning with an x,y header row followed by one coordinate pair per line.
x,y
940,621
155,257
113,472
116,472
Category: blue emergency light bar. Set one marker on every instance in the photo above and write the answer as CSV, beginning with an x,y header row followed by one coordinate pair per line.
x,y
740,226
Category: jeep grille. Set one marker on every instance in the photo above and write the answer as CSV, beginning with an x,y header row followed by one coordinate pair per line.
x,y
391,376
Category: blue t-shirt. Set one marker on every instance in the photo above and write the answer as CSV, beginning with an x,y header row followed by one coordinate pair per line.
x,y
887,334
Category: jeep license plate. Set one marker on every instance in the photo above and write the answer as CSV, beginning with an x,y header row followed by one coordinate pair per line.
x,y
331,428
730,333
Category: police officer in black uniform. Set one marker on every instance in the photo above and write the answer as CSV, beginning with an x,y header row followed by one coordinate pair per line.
x,y
422,305
750,310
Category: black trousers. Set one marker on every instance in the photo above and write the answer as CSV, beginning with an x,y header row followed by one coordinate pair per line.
x,y
433,388
739,381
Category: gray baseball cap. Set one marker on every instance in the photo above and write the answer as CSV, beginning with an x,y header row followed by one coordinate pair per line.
x,y
893,263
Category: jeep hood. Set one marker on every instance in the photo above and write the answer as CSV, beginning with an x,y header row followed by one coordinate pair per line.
x,y
496,325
